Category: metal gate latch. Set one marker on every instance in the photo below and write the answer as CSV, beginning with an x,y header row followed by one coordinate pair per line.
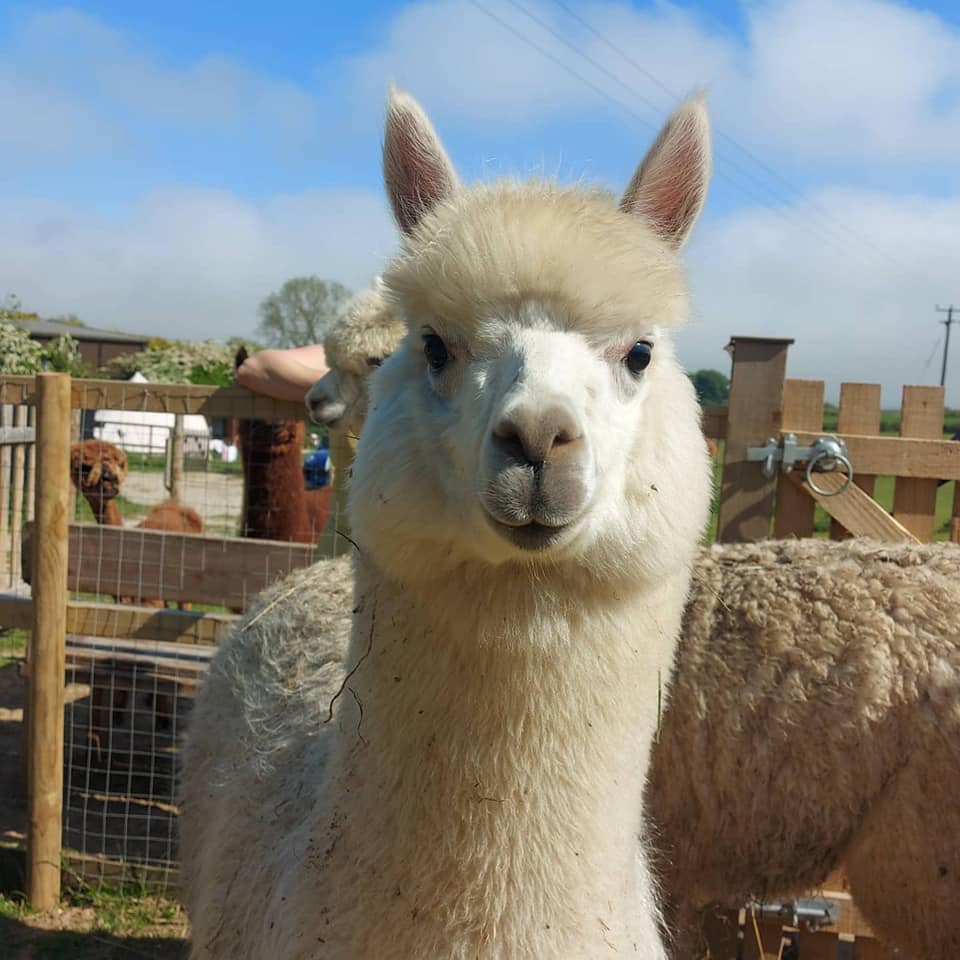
x,y
824,456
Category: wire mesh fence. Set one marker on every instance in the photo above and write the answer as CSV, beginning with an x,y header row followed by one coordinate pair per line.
x,y
186,503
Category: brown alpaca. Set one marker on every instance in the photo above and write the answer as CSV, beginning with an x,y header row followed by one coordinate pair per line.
x,y
276,504
98,469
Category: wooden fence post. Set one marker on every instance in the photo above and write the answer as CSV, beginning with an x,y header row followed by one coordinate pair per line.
x,y
755,413
175,486
47,641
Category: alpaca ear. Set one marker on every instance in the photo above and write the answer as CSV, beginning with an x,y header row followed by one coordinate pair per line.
x,y
670,185
416,168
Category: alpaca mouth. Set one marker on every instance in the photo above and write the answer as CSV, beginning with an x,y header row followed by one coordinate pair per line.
x,y
532,536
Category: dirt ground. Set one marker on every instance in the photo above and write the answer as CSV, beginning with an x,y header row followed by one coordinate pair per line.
x,y
86,933
217,497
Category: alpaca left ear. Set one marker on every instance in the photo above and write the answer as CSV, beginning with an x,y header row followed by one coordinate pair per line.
x,y
416,168
670,185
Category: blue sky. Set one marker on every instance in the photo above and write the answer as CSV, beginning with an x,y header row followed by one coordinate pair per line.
x,y
164,166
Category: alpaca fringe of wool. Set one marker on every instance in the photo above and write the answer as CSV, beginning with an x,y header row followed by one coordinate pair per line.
x,y
468,780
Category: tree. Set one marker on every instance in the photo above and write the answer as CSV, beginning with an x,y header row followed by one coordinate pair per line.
x,y
713,388
300,311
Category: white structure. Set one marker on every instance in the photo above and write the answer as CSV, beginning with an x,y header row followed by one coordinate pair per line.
x,y
146,431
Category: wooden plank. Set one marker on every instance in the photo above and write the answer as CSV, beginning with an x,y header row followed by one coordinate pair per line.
x,y
6,561
47,640
802,410
148,564
161,398
915,500
853,508
31,466
755,413
860,414
715,422
16,517
123,621
893,456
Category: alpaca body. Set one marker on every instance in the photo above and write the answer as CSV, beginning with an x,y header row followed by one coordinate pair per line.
x,y
276,506
814,720
526,499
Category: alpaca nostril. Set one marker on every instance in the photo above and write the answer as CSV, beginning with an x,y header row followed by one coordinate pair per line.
x,y
532,437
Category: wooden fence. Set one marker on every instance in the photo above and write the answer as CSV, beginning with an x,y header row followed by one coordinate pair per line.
x,y
764,408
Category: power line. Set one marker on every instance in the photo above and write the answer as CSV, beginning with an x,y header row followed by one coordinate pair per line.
x,y
790,215
796,191
946,343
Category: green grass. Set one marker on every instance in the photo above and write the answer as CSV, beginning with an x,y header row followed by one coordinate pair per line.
x,y
155,463
104,924
128,510
13,645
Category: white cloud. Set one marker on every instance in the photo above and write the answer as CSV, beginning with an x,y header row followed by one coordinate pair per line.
x,y
67,79
856,313
186,262
834,80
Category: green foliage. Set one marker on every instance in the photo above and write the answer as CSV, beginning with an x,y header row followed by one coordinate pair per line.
x,y
713,388
300,312
176,361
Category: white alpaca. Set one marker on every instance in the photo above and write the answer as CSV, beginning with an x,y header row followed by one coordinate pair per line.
x,y
814,720
527,498
367,331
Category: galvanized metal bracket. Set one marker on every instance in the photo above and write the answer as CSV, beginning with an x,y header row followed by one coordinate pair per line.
x,y
809,912
823,456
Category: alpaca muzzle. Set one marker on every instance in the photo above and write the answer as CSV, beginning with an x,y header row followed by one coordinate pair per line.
x,y
539,474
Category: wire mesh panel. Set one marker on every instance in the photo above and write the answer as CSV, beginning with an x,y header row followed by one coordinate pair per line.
x,y
188,501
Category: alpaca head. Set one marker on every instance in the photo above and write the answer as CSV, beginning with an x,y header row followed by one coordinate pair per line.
x,y
365,334
98,469
536,411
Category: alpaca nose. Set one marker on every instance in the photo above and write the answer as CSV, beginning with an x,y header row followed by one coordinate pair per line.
x,y
538,435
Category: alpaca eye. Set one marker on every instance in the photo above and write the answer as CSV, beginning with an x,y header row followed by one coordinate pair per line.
x,y
639,355
435,350
374,361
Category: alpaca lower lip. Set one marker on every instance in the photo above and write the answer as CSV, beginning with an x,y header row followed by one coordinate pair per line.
x,y
532,536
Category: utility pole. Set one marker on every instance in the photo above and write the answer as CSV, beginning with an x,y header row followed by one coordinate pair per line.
x,y
946,343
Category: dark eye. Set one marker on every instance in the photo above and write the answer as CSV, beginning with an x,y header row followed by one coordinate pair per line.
x,y
639,356
374,361
435,350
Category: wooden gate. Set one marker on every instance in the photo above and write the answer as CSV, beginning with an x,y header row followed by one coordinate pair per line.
x,y
907,469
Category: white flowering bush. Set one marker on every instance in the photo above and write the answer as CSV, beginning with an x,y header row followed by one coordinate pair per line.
x,y
165,361
18,353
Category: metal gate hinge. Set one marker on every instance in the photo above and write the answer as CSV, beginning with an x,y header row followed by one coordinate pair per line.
x,y
811,913
823,456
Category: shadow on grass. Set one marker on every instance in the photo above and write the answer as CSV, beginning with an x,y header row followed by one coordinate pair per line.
x,y
19,940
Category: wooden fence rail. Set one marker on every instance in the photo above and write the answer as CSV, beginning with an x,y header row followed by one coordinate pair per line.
x,y
124,562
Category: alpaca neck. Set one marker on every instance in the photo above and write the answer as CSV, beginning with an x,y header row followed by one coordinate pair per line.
x,y
274,498
105,512
502,770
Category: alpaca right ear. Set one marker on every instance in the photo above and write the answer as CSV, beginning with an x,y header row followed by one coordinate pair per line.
x,y
670,185
416,168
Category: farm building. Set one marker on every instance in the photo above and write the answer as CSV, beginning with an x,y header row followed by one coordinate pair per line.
x,y
97,347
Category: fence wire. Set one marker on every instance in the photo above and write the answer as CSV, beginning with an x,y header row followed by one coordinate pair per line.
x,y
174,516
